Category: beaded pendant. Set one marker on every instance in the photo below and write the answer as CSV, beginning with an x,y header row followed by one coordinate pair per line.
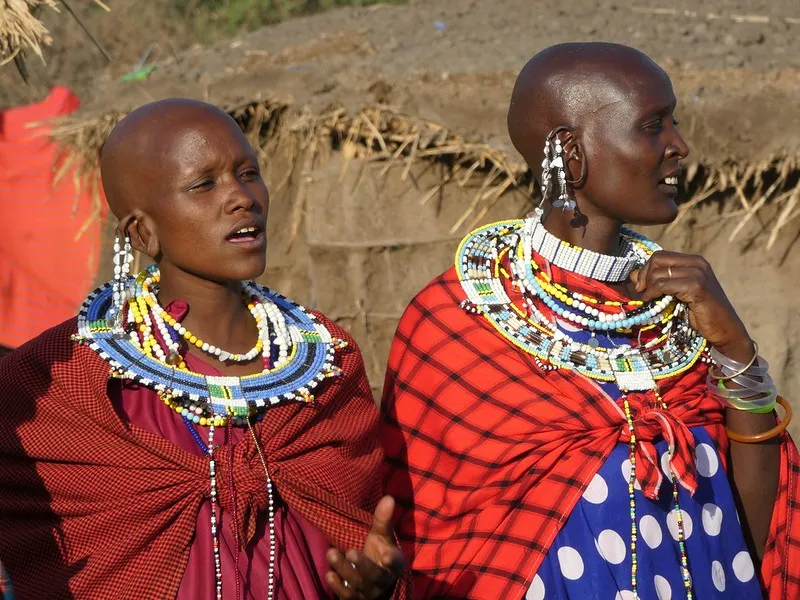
x,y
306,360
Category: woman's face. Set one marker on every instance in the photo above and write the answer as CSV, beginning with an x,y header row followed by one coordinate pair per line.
x,y
633,152
207,202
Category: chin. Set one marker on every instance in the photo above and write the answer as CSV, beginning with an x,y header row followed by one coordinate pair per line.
x,y
658,213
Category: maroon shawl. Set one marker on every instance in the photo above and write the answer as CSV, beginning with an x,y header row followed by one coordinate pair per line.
x,y
93,508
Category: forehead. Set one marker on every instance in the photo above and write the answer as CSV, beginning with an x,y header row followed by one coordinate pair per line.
x,y
202,137
633,91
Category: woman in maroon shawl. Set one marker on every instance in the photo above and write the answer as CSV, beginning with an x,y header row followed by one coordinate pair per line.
x,y
552,426
138,459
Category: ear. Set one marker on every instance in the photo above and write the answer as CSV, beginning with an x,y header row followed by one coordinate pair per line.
x,y
140,228
574,157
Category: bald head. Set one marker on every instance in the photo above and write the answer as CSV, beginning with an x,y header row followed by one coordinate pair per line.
x,y
138,145
573,85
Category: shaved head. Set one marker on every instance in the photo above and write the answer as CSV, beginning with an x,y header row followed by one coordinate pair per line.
x,y
137,145
572,85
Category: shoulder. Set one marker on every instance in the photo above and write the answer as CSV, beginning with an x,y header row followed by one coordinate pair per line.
x,y
53,344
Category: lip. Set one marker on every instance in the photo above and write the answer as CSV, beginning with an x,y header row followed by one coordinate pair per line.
x,y
669,190
244,223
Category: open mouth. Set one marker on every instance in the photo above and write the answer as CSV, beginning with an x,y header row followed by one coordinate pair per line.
x,y
670,180
245,235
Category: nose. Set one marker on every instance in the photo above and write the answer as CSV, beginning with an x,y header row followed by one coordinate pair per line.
x,y
239,197
677,146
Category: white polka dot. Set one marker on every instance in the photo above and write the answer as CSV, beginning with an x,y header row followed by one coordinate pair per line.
x,y
626,595
707,460
626,474
611,546
718,575
536,591
663,589
650,531
743,566
712,518
570,562
665,465
597,491
672,524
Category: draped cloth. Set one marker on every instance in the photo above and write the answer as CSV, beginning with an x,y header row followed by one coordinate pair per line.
x,y
92,508
487,454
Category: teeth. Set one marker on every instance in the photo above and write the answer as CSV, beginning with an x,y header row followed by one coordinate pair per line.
x,y
246,230
671,180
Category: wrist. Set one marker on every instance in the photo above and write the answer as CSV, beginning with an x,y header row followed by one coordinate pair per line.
x,y
740,349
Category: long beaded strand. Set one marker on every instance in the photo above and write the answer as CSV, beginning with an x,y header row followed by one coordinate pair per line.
x,y
214,533
687,579
632,498
271,511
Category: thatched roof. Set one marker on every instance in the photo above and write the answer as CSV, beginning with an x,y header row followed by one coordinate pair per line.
x,y
20,29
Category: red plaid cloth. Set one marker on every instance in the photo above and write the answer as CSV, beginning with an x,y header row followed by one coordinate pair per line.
x,y
487,456
93,509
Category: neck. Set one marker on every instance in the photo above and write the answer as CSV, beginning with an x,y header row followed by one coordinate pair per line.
x,y
217,313
597,233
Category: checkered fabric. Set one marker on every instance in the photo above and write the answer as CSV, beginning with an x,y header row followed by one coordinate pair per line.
x,y
487,455
93,509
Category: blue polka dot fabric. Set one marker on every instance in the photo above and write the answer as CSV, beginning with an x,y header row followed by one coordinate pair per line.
x,y
591,556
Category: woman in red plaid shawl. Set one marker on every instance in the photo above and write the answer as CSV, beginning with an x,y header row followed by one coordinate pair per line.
x,y
562,408
146,462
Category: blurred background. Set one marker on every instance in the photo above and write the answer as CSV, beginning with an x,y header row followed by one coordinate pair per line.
x,y
381,126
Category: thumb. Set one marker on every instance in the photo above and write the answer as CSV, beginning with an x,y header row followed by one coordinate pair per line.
x,y
382,518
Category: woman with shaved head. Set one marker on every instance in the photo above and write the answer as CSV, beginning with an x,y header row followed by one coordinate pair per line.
x,y
191,434
572,412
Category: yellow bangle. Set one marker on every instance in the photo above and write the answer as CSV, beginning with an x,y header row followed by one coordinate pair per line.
x,y
767,435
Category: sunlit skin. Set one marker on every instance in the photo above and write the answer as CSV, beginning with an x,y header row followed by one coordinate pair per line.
x,y
617,109
182,179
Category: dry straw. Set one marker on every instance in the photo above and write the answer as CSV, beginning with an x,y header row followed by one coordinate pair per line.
x,y
21,29
398,142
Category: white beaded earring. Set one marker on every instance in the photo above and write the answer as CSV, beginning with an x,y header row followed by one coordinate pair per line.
x,y
123,257
554,161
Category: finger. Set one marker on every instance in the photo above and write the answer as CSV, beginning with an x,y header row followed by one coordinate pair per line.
x,y
345,570
382,518
659,279
393,559
337,585
680,288
370,572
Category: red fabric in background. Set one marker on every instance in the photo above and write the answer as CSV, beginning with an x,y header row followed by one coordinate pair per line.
x,y
44,271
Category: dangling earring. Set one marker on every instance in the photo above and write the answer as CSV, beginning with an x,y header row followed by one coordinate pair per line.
x,y
554,161
123,257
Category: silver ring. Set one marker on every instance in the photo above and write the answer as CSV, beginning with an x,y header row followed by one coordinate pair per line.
x,y
669,272
346,583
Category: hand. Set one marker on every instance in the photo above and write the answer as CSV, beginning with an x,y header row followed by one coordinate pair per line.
x,y
691,280
370,574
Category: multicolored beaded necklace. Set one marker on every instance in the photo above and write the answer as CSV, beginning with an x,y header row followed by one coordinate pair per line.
x,y
480,264
142,342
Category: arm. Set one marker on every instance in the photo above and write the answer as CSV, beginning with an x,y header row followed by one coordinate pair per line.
x,y
753,467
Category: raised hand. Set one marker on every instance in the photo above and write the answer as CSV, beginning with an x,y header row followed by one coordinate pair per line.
x,y
370,574
691,280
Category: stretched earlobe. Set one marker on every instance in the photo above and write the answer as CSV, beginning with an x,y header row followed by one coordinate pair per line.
x,y
142,235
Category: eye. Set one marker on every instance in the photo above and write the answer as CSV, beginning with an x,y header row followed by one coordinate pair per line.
x,y
654,126
250,174
202,186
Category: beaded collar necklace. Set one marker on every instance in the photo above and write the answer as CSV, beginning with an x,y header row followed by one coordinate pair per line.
x,y
304,347
632,368
581,261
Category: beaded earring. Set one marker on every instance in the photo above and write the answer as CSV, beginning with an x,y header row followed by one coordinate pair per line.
x,y
554,161
123,258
